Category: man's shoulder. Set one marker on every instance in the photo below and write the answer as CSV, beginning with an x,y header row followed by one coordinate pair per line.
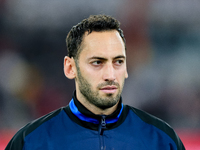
x,y
38,122
149,118
152,120
18,138
157,123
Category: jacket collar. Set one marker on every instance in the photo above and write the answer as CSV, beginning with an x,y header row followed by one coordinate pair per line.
x,y
84,114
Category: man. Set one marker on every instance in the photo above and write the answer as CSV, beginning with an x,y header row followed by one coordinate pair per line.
x,y
96,117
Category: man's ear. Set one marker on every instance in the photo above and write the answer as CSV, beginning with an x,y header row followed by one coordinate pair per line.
x,y
69,67
126,75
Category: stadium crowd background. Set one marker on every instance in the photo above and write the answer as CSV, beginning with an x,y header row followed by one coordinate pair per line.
x,y
163,42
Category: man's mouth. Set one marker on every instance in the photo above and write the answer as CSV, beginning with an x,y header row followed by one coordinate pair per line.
x,y
109,89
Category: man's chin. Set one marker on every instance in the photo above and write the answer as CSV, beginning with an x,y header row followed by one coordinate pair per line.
x,y
109,101
109,97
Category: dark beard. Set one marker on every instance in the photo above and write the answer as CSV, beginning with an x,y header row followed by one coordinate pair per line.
x,y
94,97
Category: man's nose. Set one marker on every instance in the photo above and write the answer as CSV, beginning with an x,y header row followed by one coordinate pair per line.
x,y
109,73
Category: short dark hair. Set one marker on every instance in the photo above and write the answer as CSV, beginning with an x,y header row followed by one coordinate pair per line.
x,y
93,23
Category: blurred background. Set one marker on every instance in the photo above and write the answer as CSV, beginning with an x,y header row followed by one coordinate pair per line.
x,y
163,50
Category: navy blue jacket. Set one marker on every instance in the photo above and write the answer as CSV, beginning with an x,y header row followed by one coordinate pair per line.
x,y
75,128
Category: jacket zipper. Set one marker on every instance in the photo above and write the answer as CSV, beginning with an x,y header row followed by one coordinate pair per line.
x,y
102,127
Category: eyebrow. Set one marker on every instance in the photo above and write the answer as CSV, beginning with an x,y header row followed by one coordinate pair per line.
x,y
102,58
120,56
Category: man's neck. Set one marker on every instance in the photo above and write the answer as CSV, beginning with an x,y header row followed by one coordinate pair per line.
x,y
97,110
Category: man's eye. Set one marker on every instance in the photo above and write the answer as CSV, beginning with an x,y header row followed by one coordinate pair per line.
x,y
119,62
96,63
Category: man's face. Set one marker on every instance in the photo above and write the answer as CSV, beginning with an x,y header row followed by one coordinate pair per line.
x,y
101,69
